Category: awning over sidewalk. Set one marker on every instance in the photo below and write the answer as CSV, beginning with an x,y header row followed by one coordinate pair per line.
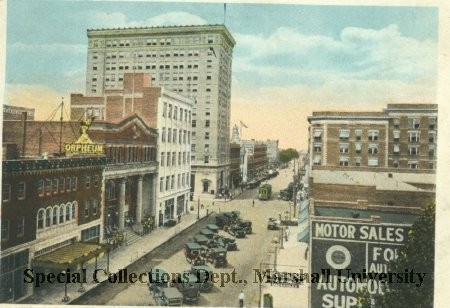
x,y
304,236
71,256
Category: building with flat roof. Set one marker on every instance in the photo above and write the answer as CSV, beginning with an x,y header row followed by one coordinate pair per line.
x,y
193,61
16,113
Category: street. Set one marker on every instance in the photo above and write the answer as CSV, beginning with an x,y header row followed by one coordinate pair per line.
x,y
252,250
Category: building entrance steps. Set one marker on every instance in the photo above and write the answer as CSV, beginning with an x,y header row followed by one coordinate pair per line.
x,y
131,237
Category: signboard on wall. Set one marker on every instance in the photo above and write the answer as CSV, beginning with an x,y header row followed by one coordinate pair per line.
x,y
345,253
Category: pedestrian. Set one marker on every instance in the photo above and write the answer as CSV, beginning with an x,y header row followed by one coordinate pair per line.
x,y
241,299
286,235
213,203
253,202
179,218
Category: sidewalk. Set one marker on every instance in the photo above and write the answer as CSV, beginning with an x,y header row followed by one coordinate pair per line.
x,y
118,259
290,259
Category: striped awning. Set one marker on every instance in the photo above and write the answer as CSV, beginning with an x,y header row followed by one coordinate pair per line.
x,y
70,256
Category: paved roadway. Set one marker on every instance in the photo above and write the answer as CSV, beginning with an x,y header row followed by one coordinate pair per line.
x,y
252,250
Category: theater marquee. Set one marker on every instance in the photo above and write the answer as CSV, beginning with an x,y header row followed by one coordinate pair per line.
x,y
84,144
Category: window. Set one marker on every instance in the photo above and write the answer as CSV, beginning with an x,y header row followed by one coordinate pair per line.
x,y
373,149
397,123
87,182
395,164
48,217
357,161
317,160
413,164
373,135
94,207
317,135
207,136
413,150
86,208
432,123
317,147
61,184
343,148
372,162
358,134
40,219
358,148
68,209
194,123
431,165
5,229
55,186
169,114
68,184
61,213
169,135
74,208
55,215
48,186
343,161
344,134
174,157
414,137
6,192
396,149
174,140
179,158
167,182
163,134
172,182
396,136
175,112
161,184
96,180
206,159
414,123
74,183
432,137
164,109
207,123
40,187
168,159
432,150
162,158
20,226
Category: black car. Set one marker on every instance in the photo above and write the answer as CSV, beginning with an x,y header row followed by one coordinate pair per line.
x,y
237,231
273,224
218,257
204,273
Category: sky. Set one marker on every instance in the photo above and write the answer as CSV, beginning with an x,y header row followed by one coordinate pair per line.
x,y
289,59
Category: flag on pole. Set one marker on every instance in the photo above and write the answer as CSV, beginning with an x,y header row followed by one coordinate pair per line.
x,y
242,123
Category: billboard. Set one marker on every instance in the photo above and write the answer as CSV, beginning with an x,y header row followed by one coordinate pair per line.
x,y
350,257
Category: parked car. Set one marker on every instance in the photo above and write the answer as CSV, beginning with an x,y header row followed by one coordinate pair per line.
x,y
169,296
218,257
207,232
226,243
236,231
246,225
188,284
204,273
194,253
214,228
160,289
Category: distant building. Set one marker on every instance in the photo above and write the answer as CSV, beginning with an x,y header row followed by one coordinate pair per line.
x,y
272,152
386,157
255,161
16,113
194,61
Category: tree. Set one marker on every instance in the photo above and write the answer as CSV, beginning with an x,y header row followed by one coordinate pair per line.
x,y
287,155
417,255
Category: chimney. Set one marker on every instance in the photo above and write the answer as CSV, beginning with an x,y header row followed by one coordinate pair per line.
x,y
24,138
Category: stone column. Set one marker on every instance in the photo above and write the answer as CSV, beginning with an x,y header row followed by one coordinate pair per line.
x,y
139,200
122,204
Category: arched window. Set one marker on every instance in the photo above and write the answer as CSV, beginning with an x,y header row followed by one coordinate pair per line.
x,y
40,218
68,210
61,213
55,215
48,217
74,208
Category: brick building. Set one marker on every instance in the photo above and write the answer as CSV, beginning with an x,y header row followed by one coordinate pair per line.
x,y
386,157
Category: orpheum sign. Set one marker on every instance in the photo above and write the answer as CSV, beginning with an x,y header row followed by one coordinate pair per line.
x,y
84,144
351,257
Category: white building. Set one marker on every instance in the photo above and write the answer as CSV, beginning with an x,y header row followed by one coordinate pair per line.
x,y
194,61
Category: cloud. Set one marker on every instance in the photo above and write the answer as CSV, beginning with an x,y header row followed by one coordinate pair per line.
x,y
97,19
357,53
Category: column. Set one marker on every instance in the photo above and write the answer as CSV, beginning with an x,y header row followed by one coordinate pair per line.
x,y
139,200
122,204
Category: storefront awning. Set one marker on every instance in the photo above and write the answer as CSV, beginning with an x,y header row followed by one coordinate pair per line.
x,y
70,256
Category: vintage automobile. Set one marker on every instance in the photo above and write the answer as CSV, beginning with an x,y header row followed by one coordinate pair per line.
x,y
169,296
160,289
214,228
226,242
204,274
218,257
206,232
273,224
188,284
201,240
246,225
194,253
236,231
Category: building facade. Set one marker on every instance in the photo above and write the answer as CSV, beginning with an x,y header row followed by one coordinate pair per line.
x,y
47,204
16,113
272,152
386,157
194,61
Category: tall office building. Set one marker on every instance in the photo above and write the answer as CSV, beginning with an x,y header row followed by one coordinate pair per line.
x,y
194,61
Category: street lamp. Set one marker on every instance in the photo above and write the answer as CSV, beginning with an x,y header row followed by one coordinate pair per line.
x,y
65,298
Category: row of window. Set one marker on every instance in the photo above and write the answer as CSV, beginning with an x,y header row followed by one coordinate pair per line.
x,y
166,41
371,162
168,183
183,158
173,112
112,66
17,226
414,123
413,136
126,154
174,135
56,215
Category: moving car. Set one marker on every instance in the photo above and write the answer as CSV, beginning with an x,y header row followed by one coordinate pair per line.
x,y
273,224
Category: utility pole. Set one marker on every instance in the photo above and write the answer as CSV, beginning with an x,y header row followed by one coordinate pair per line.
x,y
294,191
